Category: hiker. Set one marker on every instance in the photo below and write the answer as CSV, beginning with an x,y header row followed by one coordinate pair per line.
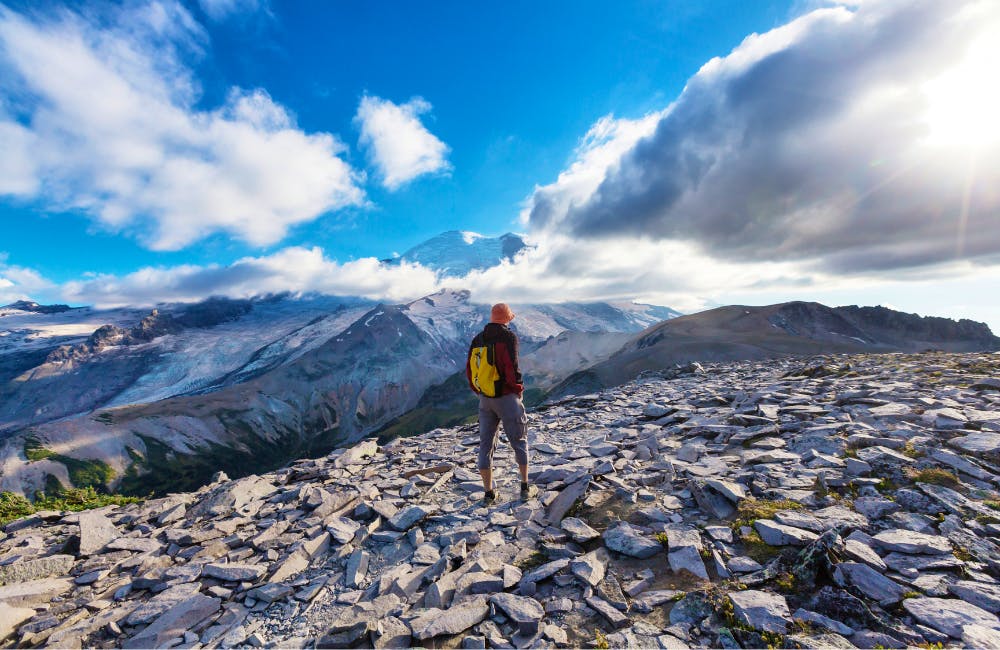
x,y
493,373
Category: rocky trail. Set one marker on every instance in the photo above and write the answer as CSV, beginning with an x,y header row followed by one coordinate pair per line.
x,y
846,501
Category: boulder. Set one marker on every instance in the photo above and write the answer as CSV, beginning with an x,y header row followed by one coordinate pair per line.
x,y
526,612
761,610
949,615
629,540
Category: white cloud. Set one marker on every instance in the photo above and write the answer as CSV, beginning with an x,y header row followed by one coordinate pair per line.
x,y
219,10
101,116
20,283
852,139
398,144
294,269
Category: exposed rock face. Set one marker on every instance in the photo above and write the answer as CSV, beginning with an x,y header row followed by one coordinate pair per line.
x,y
391,546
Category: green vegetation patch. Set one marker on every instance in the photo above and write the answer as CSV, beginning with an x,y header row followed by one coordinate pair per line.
x,y
82,472
936,476
750,510
14,506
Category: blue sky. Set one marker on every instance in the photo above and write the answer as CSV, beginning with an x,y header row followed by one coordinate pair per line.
x,y
769,150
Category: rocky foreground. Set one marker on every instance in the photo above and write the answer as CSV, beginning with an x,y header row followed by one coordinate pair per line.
x,y
830,502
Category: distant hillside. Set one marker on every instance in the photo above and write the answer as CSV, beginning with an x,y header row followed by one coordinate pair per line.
x,y
794,328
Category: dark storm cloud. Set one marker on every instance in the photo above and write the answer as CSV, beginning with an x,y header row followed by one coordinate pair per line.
x,y
810,143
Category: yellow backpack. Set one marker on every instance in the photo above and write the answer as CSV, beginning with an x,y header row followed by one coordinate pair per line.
x,y
485,376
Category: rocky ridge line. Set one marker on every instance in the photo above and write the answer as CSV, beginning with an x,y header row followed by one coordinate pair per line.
x,y
836,502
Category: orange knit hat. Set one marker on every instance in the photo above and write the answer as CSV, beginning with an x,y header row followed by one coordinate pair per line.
x,y
501,313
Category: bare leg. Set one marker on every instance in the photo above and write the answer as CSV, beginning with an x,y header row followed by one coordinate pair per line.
x,y
487,475
523,469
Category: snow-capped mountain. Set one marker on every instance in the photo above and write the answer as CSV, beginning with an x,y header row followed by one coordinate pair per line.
x,y
457,252
167,397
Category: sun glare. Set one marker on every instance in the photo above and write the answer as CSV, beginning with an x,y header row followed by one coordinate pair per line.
x,y
964,102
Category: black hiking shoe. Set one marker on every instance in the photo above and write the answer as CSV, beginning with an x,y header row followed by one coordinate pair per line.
x,y
528,491
490,498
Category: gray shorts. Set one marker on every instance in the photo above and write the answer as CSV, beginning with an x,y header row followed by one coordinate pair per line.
x,y
508,409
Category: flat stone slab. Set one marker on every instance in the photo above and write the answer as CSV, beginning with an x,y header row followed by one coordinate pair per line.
x,y
761,610
162,602
578,530
42,567
869,582
566,498
980,594
777,534
908,541
96,531
175,622
408,517
949,615
34,592
629,540
590,567
980,636
455,619
526,612
234,572
687,558
981,442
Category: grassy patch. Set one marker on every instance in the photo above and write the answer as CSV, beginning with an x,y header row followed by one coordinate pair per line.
x,y
82,472
14,506
600,641
33,450
935,476
759,550
909,449
662,539
750,510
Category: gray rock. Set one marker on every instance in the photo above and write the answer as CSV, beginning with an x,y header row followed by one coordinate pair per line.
x,y
650,600
990,383
526,612
454,620
777,534
578,530
544,571
43,567
817,619
232,496
391,632
234,572
271,592
743,564
11,618
980,594
175,622
908,541
980,636
949,615
34,592
566,498
409,517
687,559
356,454
681,535
761,610
869,582
96,531
426,554
711,501
864,553
690,452
981,442
629,540
343,529
139,544
691,609
602,449
904,561
590,567
612,615
162,602
735,492
875,507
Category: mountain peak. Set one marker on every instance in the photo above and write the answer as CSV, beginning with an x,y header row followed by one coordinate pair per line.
x,y
457,252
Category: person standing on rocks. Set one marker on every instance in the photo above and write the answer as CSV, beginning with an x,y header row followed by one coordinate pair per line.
x,y
495,350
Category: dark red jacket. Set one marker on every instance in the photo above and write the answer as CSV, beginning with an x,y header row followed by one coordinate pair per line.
x,y
505,347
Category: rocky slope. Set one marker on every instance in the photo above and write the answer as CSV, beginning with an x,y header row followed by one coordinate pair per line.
x,y
846,501
793,328
242,385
